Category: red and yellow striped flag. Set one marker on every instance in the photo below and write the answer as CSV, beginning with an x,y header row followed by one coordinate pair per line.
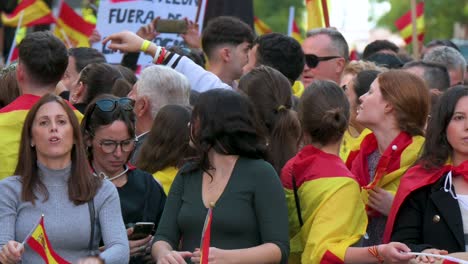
x,y
206,237
404,24
36,12
39,242
12,118
296,33
317,14
71,28
260,27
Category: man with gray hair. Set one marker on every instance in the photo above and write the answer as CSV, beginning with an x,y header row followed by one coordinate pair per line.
x,y
158,86
450,58
326,55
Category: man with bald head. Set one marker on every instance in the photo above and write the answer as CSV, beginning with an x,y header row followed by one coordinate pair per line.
x,y
326,55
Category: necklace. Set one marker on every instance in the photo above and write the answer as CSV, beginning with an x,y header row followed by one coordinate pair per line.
x,y
104,176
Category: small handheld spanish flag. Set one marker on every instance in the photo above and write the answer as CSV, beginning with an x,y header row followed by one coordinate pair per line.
x,y
39,242
206,236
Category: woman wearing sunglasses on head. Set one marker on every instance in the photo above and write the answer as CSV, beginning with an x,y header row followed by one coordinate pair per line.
x,y
395,108
249,216
109,132
54,180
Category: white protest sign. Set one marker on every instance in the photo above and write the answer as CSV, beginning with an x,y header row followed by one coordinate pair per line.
x,y
117,15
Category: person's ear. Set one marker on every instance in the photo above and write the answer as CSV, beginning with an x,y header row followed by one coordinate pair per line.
x,y
225,54
20,73
340,65
142,106
388,108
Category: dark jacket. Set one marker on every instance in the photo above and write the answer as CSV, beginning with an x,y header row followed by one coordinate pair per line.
x,y
430,218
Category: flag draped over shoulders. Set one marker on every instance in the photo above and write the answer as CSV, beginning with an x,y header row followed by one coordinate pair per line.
x,y
399,156
416,178
333,213
12,119
351,144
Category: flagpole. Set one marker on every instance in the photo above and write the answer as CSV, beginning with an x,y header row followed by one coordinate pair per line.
x,y
56,13
13,44
415,40
67,40
290,21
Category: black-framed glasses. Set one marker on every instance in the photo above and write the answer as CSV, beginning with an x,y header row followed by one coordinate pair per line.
x,y
109,105
109,146
313,60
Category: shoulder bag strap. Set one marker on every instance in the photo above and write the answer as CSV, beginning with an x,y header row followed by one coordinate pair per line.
x,y
298,203
92,218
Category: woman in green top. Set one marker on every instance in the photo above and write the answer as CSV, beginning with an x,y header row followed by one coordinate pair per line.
x,y
249,222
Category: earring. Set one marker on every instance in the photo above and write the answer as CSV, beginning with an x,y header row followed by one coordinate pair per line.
x,y
32,145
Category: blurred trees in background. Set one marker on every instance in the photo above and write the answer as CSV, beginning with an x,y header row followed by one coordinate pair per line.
x,y
439,15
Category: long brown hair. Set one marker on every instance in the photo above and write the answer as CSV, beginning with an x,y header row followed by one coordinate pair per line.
x,y
272,99
409,96
168,141
82,185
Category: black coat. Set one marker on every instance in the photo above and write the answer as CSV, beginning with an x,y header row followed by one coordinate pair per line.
x,y
430,218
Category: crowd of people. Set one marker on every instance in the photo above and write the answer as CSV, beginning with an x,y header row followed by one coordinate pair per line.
x,y
299,154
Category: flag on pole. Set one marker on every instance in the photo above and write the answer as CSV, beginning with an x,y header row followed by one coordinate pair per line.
x,y
14,51
39,242
260,27
404,24
36,12
71,28
317,14
293,29
206,237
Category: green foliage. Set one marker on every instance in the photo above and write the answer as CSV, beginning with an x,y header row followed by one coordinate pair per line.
x,y
275,13
439,16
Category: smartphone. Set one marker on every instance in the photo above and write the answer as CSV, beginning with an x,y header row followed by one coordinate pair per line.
x,y
171,26
141,230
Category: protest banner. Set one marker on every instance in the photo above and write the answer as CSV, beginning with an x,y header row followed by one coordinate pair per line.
x,y
117,15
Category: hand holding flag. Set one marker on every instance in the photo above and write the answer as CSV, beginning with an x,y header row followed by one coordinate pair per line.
x,y
11,252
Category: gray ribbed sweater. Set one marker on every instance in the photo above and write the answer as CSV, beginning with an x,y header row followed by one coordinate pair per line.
x,y
67,225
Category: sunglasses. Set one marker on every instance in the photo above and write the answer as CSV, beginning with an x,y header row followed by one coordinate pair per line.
x,y
109,105
109,146
313,60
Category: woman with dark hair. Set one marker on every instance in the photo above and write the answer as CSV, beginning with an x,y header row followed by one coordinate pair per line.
x,y
54,180
326,213
167,146
271,95
430,212
395,108
109,131
249,214
96,79
356,132
8,85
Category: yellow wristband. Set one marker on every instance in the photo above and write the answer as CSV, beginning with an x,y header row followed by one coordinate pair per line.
x,y
145,45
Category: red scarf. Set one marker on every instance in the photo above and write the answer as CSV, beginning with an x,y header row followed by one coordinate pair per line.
x,y
416,178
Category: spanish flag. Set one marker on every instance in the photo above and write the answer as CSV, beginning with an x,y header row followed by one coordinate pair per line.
x,y
71,28
296,33
39,242
399,156
36,12
206,237
260,27
351,144
404,24
326,190
11,124
416,178
317,14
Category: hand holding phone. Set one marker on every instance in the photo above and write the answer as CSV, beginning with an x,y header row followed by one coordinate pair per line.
x,y
141,230
171,26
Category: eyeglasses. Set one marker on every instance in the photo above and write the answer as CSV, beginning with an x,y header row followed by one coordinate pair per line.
x,y
109,146
109,105
313,60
